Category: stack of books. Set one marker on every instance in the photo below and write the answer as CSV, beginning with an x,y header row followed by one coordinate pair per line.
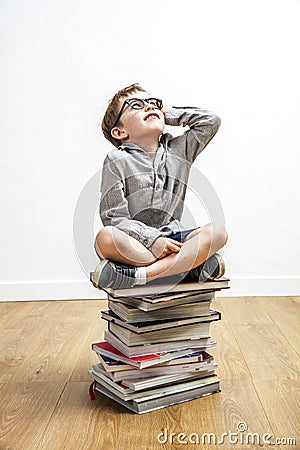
x,y
156,348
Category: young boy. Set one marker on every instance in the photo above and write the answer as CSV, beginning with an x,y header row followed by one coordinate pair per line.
x,y
144,182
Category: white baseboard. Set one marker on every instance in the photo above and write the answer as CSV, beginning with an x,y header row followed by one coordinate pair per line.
x,y
83,290
57,290
249,287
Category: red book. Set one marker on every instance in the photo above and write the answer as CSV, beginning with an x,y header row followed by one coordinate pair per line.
x,y
106,349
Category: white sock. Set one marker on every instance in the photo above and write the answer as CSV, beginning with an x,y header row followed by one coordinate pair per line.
x,y
140,276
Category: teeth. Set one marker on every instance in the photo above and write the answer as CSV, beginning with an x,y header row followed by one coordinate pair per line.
x,y
152,116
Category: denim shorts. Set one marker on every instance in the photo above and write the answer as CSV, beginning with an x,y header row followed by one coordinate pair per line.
x,y
180,236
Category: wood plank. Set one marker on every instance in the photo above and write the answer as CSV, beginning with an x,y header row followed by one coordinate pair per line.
x,y
12,313
266,351
46,347
87,357
285,312
79,422
231,362
250,409
26,409
244,311
11,360
280,400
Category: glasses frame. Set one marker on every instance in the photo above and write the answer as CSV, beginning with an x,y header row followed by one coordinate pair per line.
x,y
144,100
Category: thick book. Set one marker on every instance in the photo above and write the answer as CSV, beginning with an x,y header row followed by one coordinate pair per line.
x,y
143,327
126,393
160,402
135,373
113,365
163,302
147,360
139,350
139,384
167,335
148,289
127,387
132,314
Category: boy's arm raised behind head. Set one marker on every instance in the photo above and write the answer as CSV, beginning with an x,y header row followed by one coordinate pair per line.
x,y
202,124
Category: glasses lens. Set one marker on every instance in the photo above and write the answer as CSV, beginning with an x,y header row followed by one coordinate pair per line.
x,y
136,103
154,102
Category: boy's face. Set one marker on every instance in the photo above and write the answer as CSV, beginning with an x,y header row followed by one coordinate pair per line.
x,y
136,125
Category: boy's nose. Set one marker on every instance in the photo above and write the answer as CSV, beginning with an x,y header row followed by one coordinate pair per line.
x,y
148,106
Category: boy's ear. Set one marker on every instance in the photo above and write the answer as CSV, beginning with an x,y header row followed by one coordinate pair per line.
x,y
118,133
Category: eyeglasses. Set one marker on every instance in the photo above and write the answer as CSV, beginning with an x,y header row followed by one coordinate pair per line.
x,y
139,103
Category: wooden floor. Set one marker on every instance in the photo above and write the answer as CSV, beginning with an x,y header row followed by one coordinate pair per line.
x,y
46,353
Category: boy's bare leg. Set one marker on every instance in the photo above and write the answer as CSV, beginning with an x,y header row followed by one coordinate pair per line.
x,y
117,246
196,249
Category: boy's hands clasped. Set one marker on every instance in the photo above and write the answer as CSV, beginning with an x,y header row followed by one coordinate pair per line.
x,y
164,246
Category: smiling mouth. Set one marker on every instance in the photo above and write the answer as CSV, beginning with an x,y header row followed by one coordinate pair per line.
x,y
152,116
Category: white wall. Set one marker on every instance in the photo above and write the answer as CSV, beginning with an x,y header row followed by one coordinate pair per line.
x,y
62,60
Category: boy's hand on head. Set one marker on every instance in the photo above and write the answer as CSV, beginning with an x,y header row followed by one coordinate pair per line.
x,y
163,247
165,108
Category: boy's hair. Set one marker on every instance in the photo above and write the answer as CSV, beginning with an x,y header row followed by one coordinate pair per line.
x,y
113,109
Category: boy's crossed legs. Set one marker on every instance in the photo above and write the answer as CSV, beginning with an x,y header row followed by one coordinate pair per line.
x,y
170,257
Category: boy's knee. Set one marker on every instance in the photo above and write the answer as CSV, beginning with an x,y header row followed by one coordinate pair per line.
x,y
104,239
220,236
216,234
225,236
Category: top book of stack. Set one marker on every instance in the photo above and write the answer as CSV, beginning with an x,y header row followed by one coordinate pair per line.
x,y
160,288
